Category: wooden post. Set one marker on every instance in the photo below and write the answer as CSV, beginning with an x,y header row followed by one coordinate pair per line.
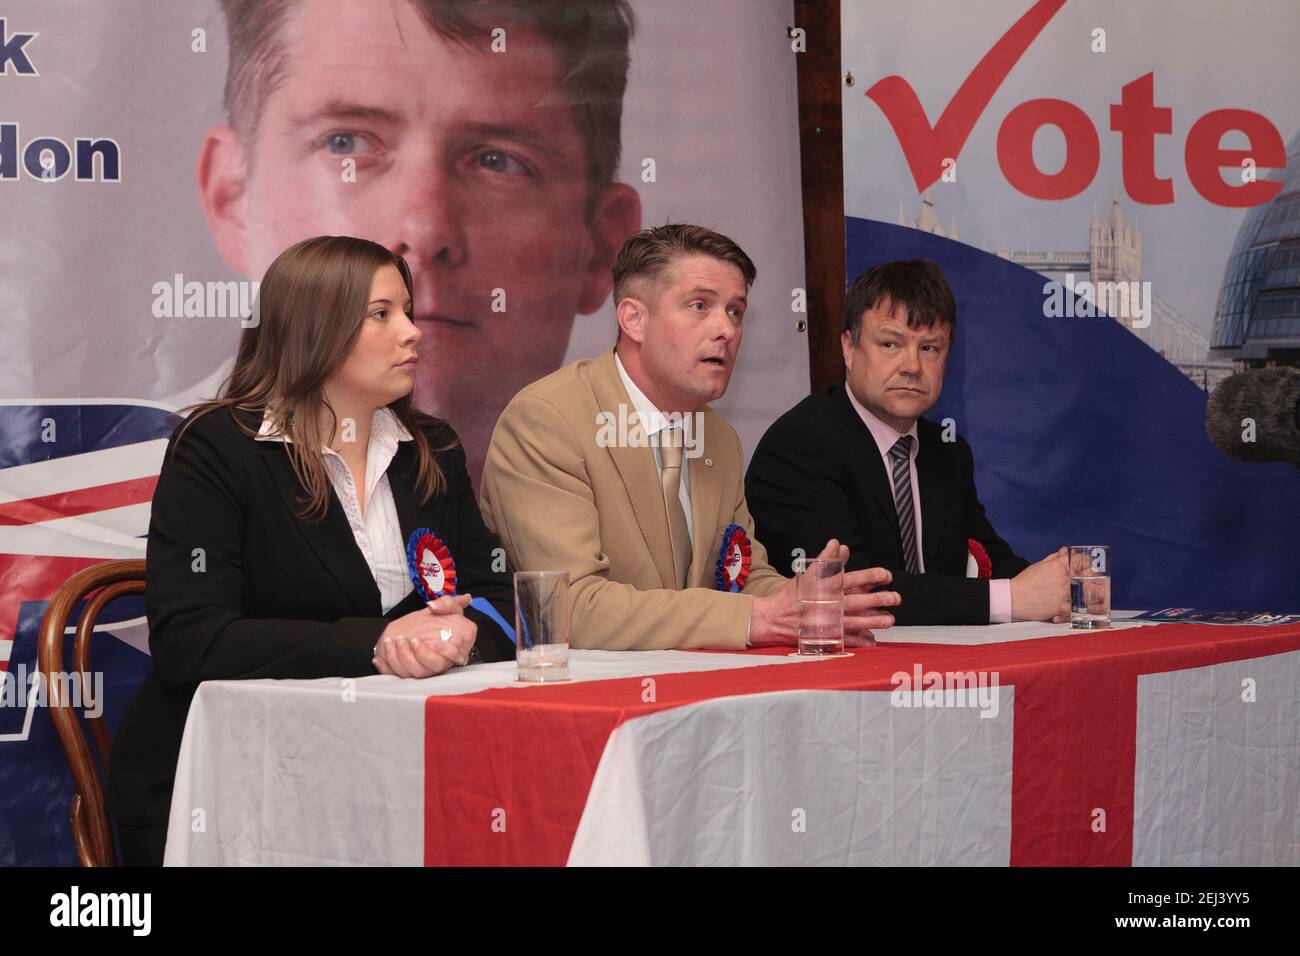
x,y
821,160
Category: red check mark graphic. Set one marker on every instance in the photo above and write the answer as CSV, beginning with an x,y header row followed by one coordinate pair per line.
x,y
926,147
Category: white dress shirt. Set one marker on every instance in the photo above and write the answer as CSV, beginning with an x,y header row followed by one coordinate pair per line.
x,y
653,422
376,529
886,437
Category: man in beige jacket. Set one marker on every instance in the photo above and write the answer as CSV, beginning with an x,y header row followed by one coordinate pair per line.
x,y
616,470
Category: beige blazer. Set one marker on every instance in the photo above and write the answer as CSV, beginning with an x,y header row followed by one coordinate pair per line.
x,y
560,501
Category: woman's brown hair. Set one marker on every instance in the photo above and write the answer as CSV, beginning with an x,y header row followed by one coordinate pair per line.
x,y
310,308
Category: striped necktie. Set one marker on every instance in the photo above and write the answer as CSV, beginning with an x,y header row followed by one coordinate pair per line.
x,y
670,457
901,457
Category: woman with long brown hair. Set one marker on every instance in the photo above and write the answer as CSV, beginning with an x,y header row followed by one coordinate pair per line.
x,y
308,522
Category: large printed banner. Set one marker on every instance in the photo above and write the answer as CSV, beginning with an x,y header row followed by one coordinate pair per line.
x,y
1081,170
155,157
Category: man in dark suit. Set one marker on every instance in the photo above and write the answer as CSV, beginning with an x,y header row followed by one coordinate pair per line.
x,y
857,462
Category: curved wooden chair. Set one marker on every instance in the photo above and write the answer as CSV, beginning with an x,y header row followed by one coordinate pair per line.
x,y
109,580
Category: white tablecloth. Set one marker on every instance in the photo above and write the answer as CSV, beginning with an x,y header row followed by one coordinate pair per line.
x,y
331,771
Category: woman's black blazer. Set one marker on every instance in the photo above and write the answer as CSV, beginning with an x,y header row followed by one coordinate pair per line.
x,y
238,586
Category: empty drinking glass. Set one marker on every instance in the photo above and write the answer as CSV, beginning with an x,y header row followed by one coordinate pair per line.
x,y
542,625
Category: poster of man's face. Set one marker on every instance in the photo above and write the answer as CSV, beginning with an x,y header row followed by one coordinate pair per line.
x,y
457,136
505,148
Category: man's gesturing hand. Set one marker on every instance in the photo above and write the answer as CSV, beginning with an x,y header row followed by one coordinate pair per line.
x,y
775,619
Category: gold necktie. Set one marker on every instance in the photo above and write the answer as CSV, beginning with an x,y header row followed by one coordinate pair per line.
x,y
670,455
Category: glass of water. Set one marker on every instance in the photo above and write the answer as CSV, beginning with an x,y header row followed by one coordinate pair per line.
x,y
542,625
1089,586
819,600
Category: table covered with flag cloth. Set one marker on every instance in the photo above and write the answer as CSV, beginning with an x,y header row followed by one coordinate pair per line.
x,y
1168,744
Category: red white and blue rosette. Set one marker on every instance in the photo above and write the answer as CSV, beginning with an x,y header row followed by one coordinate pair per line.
x,y
430,564
734,559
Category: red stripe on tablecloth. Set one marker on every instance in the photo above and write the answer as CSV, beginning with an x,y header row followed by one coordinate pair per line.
x,y
1073,751
507,771
1075,745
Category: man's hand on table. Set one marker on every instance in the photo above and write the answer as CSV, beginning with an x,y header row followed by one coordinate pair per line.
x,y
775,618
429,641
1041,592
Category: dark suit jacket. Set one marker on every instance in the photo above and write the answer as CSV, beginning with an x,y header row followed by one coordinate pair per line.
x,y
277,596
817,474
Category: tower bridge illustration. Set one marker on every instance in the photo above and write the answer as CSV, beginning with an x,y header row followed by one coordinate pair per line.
x,y
1113,255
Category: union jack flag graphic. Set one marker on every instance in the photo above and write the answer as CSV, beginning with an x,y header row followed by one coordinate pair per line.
x,y
76,481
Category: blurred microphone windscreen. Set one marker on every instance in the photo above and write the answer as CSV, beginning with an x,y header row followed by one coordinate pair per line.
x,y
1254,416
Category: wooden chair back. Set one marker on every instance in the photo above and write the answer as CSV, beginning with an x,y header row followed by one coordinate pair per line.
x,y
104,582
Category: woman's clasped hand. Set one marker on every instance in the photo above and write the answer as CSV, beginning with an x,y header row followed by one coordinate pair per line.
x,y
429,641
